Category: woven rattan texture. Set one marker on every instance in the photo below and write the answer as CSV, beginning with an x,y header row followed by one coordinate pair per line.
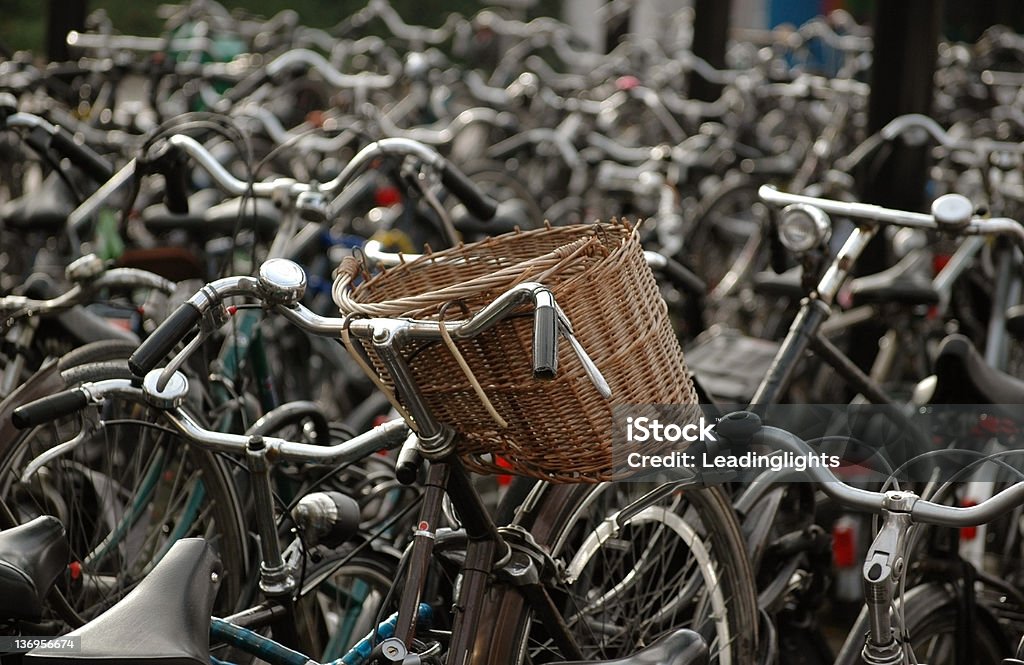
x,y
560,429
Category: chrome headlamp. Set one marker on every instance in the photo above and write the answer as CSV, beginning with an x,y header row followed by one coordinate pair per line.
x,y
803,227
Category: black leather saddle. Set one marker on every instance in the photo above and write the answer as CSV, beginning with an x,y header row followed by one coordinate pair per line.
x,y
963,377
204,220
900,284
165,620
44,210
681,647
31,557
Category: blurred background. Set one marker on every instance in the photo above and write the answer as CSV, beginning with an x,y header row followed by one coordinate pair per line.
x,y
26,23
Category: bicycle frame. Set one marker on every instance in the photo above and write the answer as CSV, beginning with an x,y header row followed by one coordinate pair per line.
x,y
487,551
805,331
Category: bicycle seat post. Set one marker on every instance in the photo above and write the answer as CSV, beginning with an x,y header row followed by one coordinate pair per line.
x,y
883,567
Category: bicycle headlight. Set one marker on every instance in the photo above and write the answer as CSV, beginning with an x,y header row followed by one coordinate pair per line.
x,y
803,227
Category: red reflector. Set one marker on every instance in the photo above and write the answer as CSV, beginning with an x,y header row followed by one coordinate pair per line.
x,y
968,533
123,324
387,196
315,118
503,479
939,262
627,83
75,569
843,545
232,309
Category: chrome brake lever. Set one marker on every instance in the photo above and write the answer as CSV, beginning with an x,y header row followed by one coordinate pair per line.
x,y
593,373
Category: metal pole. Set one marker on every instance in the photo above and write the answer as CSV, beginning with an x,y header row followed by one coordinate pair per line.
x,y
63,17
906,34
906,37
710,32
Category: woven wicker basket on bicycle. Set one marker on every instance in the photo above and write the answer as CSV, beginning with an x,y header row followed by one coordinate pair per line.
x,y
559,429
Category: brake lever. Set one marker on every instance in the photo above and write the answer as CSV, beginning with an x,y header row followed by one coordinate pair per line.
x,y
90,425
212,319
593,373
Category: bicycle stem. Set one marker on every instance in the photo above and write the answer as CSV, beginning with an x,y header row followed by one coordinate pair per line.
x,y
883,567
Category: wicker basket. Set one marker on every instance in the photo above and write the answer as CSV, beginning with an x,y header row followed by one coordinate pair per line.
x,y
560,429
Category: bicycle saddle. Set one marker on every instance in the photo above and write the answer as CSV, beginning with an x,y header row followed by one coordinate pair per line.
x,y
31,557
963,377
682,647
901,284
260,215
165,620
45,209
174,263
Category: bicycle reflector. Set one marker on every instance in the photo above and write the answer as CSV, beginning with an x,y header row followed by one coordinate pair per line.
x,y
803,227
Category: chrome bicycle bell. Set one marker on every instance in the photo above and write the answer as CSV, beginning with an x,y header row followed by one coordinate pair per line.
x,y
282,282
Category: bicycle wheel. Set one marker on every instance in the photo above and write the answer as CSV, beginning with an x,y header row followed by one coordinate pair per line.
x,y
125,493
723,225
347,593
678,562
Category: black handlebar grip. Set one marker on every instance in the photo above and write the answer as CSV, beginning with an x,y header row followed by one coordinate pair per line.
x,y
545,342
458,183
175,172
49,408
164,338
683,278
91,162
778,256
407,468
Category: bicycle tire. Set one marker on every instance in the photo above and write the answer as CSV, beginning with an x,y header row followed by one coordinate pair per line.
x,y
95,352
97,371
347,603
558,519
91,489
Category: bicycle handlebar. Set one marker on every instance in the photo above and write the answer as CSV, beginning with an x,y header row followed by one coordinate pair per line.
x,y
285,301
387,436
446,134
118,278
173,329
45,135
904,123
914,220
922,510
413,33
458,183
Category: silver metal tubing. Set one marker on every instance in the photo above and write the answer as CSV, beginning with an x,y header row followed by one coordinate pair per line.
x,y
80,215
958,262
400,146
224,179
30,121
389,435
779,439
914,220
923,512
337,79
132,278
840,268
